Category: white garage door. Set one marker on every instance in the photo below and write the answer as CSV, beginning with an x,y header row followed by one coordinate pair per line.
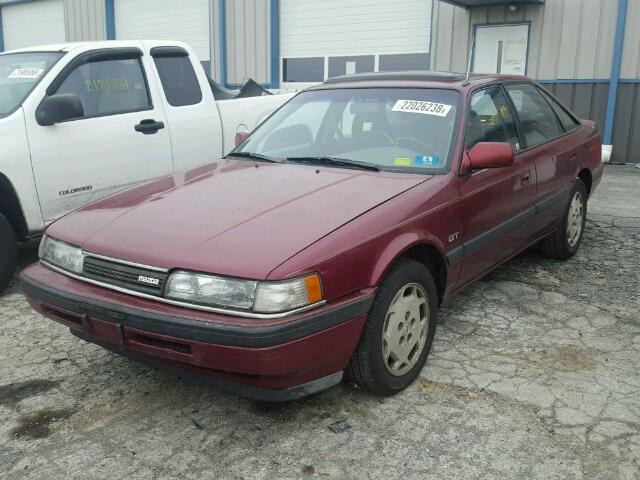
x,y
33,23
185,21
337,37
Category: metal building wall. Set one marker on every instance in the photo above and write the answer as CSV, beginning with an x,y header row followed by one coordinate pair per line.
x,y
571,44
248,45
84,20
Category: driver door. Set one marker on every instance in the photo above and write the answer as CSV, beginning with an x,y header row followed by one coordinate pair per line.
x,y
495,202
84,159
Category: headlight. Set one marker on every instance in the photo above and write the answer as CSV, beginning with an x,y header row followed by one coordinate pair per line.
x,y
61,254
248,295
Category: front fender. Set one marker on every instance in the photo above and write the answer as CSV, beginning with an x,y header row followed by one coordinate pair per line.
x,y
398,247
15,166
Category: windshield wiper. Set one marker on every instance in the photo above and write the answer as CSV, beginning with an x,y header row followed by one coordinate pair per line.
x,y
253,156
334,162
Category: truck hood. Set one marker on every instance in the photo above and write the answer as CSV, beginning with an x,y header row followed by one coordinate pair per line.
x,y
231,217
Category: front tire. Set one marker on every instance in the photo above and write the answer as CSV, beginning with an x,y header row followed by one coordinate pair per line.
x,y
565,240
8,252
399,331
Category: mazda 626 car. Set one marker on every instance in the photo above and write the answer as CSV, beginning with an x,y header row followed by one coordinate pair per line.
x,y
325,243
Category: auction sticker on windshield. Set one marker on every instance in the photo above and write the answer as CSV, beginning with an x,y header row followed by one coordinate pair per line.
x,y
29,73
419,106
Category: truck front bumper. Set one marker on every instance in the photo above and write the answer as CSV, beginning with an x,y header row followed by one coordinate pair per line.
x,y
276,360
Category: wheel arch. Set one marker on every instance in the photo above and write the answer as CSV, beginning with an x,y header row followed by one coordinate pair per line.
x,y
11,209
587,178
425,250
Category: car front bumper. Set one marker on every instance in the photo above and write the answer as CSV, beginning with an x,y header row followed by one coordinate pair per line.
x,y
272,360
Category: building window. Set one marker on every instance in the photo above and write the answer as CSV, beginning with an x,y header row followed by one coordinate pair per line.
x,y
350,65
303,69
403,62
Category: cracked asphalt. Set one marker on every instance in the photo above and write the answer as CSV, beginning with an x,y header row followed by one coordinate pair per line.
x,y
535,373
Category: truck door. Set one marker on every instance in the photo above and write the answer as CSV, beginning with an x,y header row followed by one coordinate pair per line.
x,y
122,138
196,128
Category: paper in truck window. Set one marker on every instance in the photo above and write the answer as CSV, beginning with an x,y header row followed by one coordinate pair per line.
x,y
419,106
27,73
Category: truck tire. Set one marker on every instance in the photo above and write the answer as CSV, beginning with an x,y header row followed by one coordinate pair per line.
x,y
564,241
397,337
8,252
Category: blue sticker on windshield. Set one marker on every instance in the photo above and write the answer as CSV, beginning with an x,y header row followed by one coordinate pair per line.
x,y
427,161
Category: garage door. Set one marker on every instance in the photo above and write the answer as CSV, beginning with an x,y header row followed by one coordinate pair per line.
x,y
336,37
33,23
185,21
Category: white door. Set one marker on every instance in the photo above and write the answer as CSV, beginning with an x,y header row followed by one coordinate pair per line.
x,y
78,161
321,39
32,23
501,49
185,21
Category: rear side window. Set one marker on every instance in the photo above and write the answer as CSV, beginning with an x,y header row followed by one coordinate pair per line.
x,y
108,87
539,123
567,121
490,119
179,80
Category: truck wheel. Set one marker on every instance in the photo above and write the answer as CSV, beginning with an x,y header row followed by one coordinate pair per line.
x,y
8,252
399,331
564,241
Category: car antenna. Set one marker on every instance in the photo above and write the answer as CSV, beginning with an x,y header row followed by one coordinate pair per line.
x,y
473,43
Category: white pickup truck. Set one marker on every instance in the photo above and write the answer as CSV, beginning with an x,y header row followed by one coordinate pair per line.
x,y
80,121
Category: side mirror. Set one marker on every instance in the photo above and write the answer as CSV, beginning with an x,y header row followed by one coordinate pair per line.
x,y
241,137
487,155
58,108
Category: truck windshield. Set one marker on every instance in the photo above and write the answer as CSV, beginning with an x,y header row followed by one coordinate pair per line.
x,y
19,73
408,129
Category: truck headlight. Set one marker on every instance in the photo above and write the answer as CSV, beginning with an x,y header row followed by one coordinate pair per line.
x,y
247,295
61,254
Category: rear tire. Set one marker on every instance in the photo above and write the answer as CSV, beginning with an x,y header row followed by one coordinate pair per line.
x,y
8,252
399,331
564,241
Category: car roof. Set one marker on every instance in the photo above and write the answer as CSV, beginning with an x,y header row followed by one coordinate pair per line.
x,y
419,78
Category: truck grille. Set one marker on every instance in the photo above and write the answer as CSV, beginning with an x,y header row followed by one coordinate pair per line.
x,y
138,279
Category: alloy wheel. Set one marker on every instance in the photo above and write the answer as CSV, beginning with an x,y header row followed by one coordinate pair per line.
x,y
405,329
575,219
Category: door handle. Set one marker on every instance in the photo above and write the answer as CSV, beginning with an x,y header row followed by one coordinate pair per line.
x,y
525,178
148,126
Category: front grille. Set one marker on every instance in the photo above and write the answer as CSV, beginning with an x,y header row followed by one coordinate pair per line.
x,y
125,276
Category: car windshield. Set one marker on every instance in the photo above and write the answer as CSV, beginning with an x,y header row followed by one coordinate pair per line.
x,y
19,73
409,129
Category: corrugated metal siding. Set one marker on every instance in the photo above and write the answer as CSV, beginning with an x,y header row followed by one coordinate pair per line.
x,y
248,48
631,53
626,132
568,38
85,20
450,37
587,100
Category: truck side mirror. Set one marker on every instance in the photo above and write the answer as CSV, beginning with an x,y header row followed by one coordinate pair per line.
x,y
58,108
487,155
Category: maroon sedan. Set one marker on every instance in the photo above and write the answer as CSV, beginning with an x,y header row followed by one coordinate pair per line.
x,y
326,242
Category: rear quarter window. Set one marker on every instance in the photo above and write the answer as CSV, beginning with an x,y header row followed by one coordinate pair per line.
x,y
567,121
538,121
179,80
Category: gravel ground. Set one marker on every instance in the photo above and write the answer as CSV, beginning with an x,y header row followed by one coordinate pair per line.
x,y
535,373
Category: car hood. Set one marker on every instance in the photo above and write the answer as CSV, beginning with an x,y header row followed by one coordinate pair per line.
x,y
231,217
